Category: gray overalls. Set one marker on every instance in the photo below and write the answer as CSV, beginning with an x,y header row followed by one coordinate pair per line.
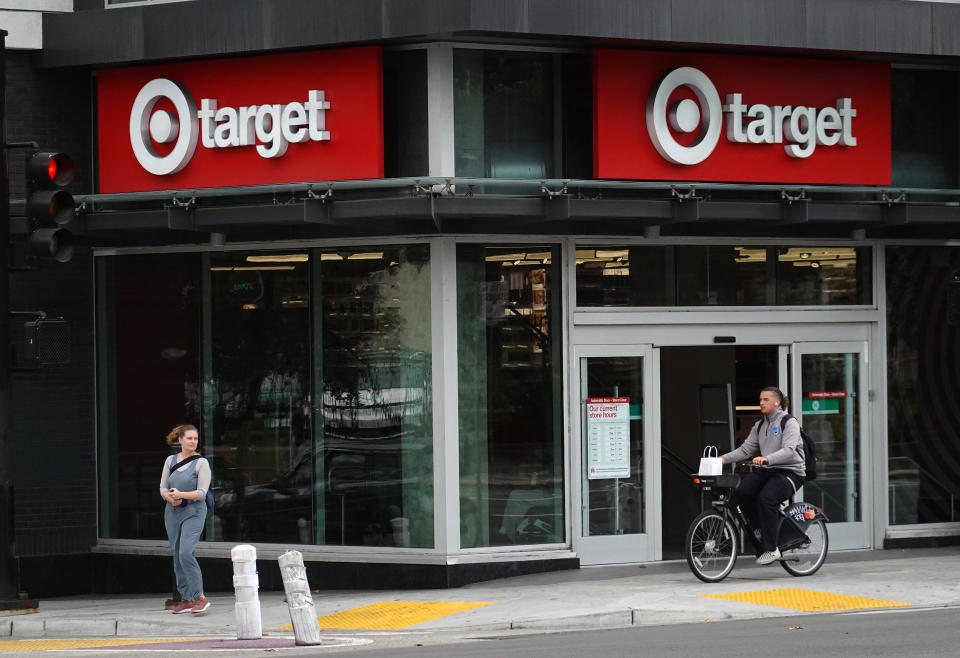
x,y
184,527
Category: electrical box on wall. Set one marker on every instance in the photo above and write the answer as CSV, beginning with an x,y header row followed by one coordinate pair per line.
x,y
46,341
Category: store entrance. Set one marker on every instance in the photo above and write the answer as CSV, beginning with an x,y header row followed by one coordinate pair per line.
x,y
708,396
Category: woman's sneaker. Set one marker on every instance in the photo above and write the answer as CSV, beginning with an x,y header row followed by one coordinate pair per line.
x,y
200,605
182,607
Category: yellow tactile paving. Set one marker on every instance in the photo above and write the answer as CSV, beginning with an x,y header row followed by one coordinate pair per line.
x,y
806,600
54,645
395,615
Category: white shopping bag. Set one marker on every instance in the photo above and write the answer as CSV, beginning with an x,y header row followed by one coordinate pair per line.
x,y
710,463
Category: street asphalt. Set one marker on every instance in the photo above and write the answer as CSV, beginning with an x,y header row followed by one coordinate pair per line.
x,y
589,598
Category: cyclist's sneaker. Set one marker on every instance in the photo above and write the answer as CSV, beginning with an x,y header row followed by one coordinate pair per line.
x,y
769,557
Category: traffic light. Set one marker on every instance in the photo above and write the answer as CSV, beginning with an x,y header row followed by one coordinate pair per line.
x,y
50,208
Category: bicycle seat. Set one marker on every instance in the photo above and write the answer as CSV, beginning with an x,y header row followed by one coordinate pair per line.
x,y
722,481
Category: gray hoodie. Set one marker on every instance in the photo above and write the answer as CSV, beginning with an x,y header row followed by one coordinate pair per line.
x,y
784,450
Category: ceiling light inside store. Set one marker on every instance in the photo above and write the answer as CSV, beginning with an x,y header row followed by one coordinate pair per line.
x,y
503,257
537,257
330,256
372,255
262,268
608,254
818,253
616,271
279,258
749,255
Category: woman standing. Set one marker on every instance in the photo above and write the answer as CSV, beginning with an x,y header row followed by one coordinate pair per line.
x,y
184,484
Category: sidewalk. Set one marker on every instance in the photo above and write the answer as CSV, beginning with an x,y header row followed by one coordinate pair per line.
x,y
665,593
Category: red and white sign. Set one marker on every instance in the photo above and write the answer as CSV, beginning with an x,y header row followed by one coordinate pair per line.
x,y
700,117
827,394
608,438
287,118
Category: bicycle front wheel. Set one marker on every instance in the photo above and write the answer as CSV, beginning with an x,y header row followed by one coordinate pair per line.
x,y
711,547
805,559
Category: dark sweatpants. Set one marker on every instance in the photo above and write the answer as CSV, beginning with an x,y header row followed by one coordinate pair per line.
x,y
760,494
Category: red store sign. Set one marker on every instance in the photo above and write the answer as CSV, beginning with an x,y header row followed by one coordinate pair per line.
x,y
690,116
287,118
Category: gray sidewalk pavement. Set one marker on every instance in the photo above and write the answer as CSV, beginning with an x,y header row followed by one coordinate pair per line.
x,y
603,597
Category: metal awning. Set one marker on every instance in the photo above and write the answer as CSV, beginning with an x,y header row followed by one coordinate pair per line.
x,y
490,206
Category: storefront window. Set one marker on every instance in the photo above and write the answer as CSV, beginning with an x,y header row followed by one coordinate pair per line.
x,y
377,463
522,114
404,113
923,366
510,393
148,341
720,275
315,408
925,140
256,396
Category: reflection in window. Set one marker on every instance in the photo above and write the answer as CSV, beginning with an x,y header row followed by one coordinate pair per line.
x,y
924,135
923,366
718,275
256,396
316,403
377,463
834,423
509,356
148,381
504,109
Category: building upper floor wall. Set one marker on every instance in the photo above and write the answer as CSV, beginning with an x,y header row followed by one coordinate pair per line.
x,y
204,28
23,20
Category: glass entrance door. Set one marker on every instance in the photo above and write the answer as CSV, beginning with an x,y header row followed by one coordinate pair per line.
x,y
615,471
828,397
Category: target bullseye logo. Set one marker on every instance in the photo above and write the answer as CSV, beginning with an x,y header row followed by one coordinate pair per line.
x,y
269,127
800,128
164,127
684,116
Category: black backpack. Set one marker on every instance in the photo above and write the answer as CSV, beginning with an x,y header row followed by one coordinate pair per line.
x,y
809,448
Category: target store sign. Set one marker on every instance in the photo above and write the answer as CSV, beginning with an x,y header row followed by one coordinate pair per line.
x,y
685,116
247,121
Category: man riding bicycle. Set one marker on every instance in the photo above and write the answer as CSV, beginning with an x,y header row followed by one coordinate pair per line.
x,y
779,454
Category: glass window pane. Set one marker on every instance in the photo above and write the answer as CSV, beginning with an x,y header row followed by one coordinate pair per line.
x,y
256,396
377,462
829,406
404,113
718,275
824,275
613,451
503,114
923,330
149,379
924,128
721,276
510,391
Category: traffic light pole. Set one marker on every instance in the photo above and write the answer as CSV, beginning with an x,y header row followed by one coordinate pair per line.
x,y
9,596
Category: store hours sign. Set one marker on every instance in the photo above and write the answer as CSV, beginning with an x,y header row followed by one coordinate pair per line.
x,y
608,438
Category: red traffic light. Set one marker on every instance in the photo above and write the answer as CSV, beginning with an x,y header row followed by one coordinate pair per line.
x,y
50,169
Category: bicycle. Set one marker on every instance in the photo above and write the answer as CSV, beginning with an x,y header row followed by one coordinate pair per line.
x,y
714,538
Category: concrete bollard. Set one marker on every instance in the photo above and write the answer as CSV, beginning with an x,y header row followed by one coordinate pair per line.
x,y
246,585
306,630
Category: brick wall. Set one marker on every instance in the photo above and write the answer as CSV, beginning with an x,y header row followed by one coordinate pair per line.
x,y
51,432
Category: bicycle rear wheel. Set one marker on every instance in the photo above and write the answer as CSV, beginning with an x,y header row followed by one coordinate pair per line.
x,y
805,559
711,547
